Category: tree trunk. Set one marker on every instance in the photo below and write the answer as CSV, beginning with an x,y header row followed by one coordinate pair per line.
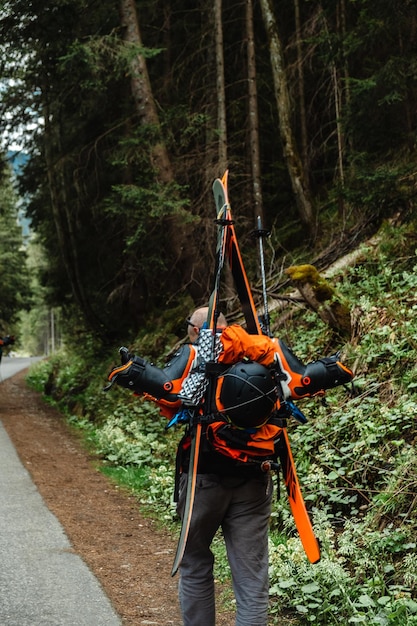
x,y
220,88
142,91
253,116
185,261
338,104
62,218
292,158
301,96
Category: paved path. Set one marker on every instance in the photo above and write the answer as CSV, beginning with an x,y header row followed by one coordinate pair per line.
x,y
42,581
9,366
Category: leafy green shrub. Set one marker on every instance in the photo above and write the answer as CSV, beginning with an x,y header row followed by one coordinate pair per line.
x,y
356,456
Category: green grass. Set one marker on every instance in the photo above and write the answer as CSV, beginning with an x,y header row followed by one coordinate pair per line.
x,y
356,456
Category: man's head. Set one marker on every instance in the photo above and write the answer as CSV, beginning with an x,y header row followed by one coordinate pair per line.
x,y
197,319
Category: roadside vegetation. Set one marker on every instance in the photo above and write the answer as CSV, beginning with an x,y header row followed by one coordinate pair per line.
x,y
356,456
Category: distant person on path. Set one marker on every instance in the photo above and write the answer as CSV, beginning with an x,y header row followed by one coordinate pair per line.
x,y
8,340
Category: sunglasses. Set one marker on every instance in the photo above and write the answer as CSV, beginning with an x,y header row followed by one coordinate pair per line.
x,y
190,323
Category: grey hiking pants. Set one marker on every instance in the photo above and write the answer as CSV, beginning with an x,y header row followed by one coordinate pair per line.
x,y
241,508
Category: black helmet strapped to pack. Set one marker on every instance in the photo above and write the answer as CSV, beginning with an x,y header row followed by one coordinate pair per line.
x,y
246,394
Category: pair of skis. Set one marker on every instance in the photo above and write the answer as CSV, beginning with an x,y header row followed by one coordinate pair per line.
x,y
227,246
296,500
223,221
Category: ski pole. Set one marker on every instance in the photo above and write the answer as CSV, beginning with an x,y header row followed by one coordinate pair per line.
x,y
260,233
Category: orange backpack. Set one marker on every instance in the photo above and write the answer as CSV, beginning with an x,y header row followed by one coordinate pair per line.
x,y
244,445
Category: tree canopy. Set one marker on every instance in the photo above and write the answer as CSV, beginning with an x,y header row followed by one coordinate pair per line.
x,y
13,271
131,111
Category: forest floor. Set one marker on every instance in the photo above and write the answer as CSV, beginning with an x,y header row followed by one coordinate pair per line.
x,y
129,553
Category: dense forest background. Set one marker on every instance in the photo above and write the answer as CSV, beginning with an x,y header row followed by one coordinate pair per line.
x,y
116,118
128,111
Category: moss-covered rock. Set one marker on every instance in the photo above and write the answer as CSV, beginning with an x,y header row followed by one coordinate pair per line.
x,y
321,297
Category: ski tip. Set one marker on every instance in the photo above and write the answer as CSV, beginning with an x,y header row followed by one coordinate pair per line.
x,y
177,562
314,558
312,550
225,178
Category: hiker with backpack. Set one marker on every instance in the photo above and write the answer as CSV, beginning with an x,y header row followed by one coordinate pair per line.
x,y
255,377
